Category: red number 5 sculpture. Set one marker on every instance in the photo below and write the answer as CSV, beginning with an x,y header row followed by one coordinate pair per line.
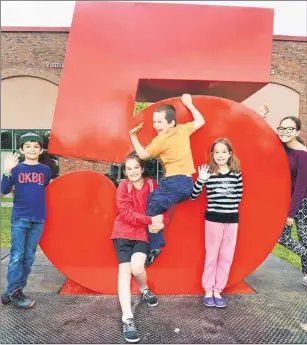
x,y
121,52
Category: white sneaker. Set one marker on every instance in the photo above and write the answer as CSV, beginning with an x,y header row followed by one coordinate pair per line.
x,y
304,280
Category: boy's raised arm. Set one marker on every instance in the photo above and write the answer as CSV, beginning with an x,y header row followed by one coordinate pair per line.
x,y
199,121
139,149
7,182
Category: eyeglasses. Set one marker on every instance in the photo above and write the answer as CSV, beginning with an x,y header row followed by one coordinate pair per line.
x,y
285,129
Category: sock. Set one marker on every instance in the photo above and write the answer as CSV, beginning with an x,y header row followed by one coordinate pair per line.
x,y
125,317
142,290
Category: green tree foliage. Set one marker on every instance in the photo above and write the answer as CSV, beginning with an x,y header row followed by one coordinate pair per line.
x,y
140,106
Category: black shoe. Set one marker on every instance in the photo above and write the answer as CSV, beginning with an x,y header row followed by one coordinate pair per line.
x,y
5,298
19,300
151,256
130,332
149,298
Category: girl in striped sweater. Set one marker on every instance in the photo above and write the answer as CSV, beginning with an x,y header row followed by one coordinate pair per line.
x,y
223,181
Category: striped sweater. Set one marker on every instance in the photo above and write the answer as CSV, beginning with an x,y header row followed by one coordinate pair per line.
x,y
224,193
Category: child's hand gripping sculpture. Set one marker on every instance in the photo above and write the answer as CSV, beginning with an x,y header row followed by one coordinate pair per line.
x,y
136,130
186,99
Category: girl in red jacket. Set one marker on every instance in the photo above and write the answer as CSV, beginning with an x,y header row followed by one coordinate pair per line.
x,y
131,240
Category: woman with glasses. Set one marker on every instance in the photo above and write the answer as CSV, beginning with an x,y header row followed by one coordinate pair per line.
x,y
288,132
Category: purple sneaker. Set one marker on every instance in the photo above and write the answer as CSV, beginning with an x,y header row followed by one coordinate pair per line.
x,y
220,302
209,301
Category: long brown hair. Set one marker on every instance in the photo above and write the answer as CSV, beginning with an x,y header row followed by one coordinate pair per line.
x,y
233,162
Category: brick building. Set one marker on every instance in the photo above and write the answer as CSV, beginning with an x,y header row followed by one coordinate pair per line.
x,y
32,61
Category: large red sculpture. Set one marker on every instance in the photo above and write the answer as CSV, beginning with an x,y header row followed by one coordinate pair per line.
x,y
120,52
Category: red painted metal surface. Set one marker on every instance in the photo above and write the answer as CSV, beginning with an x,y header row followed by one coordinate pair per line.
x,y
120,52
82,208
70,287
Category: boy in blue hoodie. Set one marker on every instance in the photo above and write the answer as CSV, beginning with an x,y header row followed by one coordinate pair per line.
x,y
30,179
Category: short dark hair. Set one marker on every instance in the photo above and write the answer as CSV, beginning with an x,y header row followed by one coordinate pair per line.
x,y
32,141
169,111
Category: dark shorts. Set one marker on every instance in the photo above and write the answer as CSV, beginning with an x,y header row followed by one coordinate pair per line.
x,y
126,248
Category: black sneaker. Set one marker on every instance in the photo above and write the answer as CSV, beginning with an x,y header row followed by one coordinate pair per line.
x,y
19,300
5,298
151,256
149,298
130,332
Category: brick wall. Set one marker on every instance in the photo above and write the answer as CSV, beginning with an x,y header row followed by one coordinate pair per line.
x,y
70,164
26,53
289,61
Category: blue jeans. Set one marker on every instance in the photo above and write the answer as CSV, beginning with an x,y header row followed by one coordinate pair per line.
x,y
171,191
26,234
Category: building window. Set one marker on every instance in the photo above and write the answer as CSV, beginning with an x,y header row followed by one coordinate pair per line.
x,y
10,143
17,134
45,134
6,139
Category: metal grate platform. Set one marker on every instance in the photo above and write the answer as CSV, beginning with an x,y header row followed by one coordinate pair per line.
x,y
277,313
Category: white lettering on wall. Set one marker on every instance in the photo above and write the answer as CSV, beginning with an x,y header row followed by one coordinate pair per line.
x,y
54,64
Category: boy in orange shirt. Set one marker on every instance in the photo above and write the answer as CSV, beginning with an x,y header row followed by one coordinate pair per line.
x,y
172,144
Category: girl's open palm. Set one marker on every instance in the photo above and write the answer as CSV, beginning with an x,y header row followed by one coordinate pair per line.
x,y
203,172
263,111
10,161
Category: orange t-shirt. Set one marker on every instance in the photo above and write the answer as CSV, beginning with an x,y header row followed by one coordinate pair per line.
x,y
174,150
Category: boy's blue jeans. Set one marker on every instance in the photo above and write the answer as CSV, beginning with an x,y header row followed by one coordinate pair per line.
x,y
26,234
171,191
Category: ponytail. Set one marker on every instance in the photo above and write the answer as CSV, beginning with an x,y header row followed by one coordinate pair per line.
x,y
300,140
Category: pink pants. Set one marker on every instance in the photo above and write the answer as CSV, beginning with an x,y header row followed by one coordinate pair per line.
x,y
220,247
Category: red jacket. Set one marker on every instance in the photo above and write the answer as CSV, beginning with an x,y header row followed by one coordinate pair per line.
x,y
131,220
